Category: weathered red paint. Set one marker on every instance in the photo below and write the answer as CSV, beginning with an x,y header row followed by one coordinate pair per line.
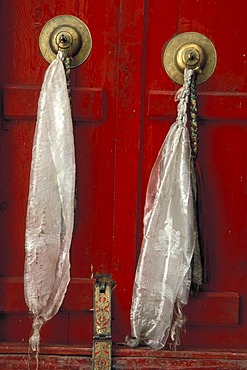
x,y
54,359
123,107
20,102
222,152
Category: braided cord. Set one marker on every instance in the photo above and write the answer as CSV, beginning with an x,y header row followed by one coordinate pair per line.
x,y
66,64
197,263
193,116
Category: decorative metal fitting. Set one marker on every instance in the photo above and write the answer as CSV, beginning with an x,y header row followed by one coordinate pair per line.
x,y
192,50
102,343
65,32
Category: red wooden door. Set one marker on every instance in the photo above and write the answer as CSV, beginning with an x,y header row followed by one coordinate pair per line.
x,y
122,110
106,111
216,317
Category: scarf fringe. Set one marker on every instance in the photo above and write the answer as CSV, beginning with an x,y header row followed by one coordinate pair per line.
x,y
178,325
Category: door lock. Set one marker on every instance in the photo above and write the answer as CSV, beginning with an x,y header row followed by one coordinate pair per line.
x,y
65,32
192,50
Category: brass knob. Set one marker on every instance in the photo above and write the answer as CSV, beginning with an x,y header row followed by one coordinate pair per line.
x,y
65,37
191,55
192,50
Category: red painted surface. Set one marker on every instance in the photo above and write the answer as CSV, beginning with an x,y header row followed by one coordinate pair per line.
x,y
125,359
20,102
213,105
123,107
222,152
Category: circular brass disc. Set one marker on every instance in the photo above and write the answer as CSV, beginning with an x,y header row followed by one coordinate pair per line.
x,y
170,54
74,29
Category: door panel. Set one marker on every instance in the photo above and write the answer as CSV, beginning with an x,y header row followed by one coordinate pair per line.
x,y
122,104
222,157
94,92
106,129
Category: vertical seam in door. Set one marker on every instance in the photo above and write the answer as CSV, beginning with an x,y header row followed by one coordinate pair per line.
x,y
116,123
142,112
178,12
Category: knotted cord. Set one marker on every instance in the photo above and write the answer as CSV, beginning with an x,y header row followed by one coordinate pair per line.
x,y
65,56
194,116
197,265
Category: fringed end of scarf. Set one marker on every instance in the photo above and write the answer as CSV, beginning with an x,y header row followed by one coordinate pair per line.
x,y
132,342
34,340
177,326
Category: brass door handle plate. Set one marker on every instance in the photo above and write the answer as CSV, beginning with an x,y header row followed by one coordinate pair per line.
x,y
65,32
193,50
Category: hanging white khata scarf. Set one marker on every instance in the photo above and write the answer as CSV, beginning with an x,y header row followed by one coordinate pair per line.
x,y
163,276
50,211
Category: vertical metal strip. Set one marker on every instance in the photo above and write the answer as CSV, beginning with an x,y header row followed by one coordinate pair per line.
x,y
102,341
102,354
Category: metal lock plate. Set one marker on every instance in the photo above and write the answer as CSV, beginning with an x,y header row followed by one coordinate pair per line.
x,y
193,50
65,32
102,311
102,322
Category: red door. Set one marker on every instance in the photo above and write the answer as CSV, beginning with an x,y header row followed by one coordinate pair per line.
x,y
122,110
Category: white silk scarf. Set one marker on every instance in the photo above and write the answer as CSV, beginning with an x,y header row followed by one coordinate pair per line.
x,y
50,211
163,274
